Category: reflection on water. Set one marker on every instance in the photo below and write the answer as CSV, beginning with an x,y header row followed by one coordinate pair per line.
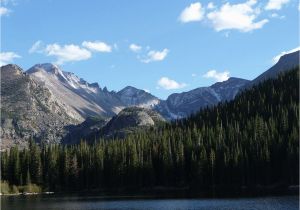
x,y
100,203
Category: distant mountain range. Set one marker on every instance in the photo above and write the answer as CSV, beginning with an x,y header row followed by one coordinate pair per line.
x,y
46,103
82,99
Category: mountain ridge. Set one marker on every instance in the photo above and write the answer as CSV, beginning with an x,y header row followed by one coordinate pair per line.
x,y
57,101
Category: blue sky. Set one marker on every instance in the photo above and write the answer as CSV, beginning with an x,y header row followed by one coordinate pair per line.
x,y
160,46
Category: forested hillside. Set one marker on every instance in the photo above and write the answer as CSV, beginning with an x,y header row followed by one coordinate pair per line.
x,y
242,144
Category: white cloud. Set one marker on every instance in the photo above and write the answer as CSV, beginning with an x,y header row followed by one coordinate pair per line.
x,y
156,56
4,11
71,52
67,53
194,12
275,15
169,84
36,47
210,5
135,47
241,17
277,57
218,76
7,57
276,4
194,75
97,46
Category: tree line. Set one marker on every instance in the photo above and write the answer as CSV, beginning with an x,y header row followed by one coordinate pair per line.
x,y
248,142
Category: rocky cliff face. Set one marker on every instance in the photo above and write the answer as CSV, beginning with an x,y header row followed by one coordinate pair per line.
x,y
78,96
29,110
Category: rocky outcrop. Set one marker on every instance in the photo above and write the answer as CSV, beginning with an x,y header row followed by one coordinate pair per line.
x,y
29,110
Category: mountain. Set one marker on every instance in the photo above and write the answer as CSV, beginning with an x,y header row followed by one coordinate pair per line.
x,y
131,96
89,100
29,110
249,145
146,110
285,63
46,103
129,120
82,98
179,105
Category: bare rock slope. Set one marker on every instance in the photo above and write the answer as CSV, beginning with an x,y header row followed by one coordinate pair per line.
x,y
29,110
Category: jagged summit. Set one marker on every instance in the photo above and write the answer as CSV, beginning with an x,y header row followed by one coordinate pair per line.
x,y
77,94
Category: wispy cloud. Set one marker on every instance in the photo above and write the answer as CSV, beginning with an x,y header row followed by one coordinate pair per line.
x,y
37,47
240,17
97,46
135,47
276,4
169,84
277,57
194,12
7,57
218,76
153,56
275,15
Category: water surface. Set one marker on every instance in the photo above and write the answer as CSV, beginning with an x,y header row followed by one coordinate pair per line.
x,y
55,202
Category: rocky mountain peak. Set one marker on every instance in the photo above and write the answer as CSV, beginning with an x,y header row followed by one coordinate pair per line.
x,y
12,69
94,85
48,67
132,96
129,90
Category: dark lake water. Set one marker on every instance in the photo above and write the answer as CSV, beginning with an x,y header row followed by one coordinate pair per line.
x,y
101,203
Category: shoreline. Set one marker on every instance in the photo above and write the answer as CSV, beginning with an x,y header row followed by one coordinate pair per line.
x,y
162,193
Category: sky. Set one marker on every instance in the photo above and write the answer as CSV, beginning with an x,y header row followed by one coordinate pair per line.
x,y
161,47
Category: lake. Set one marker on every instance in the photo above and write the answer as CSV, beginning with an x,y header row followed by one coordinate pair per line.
x,y
54,202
